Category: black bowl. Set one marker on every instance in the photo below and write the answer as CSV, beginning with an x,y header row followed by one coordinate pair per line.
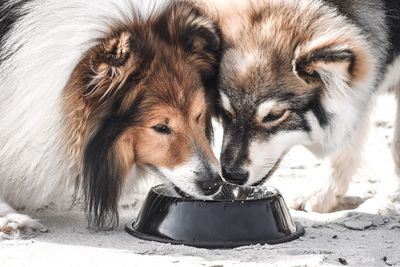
x,y
239,216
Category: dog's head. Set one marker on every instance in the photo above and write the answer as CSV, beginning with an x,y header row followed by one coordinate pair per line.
x,y
291,74
138,98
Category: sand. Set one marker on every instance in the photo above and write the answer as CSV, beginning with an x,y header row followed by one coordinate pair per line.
x,y
347,237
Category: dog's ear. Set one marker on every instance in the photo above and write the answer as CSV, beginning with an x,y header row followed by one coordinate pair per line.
x,y
188,27
112,62
108,157
325,63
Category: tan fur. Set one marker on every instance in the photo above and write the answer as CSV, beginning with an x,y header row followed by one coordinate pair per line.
x,y
77,114
279,32
137,98
125,150
111,77
178,148
172,93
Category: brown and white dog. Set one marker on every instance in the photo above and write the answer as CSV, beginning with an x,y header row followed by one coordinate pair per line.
x,y
304,73
96,93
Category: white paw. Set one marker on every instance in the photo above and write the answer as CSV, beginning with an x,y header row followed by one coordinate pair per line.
x,y
381,204
15,225
322,202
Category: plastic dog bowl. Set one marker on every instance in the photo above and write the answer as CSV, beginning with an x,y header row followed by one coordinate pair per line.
x,y
239,216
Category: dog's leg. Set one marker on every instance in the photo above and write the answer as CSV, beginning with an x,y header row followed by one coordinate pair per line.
x,y
15,225
344,165
387,198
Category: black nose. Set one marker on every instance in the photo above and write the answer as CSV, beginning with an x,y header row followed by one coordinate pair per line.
x,y
235,175
211,186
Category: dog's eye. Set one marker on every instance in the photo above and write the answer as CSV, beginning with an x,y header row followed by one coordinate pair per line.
x,y
162,129
274,116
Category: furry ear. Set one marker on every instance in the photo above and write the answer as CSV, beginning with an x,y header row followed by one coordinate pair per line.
x,y
325,63
186,26
108,158
111,62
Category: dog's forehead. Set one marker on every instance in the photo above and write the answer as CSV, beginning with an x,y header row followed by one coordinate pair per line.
x,y
247,95
248,79
234,100
249,68
178,96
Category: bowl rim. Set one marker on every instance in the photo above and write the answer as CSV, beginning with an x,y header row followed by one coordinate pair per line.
x,y
214,245
275,193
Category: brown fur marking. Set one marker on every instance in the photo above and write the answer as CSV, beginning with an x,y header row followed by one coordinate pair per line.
x,y
143,74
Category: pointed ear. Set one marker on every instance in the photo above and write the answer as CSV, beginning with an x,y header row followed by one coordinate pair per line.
x,y
111,62
188,27
325,63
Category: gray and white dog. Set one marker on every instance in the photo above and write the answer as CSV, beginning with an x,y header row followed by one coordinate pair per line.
x,y
304,73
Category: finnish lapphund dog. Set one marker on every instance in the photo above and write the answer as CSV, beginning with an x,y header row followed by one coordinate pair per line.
x,y
94,94
304,73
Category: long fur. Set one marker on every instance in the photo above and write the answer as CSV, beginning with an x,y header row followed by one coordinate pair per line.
x,y
47,42
72,75
316,65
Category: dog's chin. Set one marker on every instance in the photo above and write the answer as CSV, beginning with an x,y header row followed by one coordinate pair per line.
x,y
269,174
188,193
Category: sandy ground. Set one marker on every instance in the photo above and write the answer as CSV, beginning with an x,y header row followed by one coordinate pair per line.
x,y
342,238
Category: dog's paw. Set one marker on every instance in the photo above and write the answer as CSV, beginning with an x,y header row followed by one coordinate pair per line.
x,y
322,202
381,204
15,225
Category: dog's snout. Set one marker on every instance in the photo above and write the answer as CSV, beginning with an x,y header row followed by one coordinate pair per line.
x,y
210,186
237,176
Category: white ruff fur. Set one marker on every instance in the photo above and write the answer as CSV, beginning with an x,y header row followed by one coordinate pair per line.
x,y
345,159
348,106
45,46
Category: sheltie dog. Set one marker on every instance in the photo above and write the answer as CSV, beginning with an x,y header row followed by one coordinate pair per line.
x,y
94,94
304,73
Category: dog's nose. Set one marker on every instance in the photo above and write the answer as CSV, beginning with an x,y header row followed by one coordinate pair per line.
x,y
235,175
211,186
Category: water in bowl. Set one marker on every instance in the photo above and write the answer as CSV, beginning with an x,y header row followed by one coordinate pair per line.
x,y
229,192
